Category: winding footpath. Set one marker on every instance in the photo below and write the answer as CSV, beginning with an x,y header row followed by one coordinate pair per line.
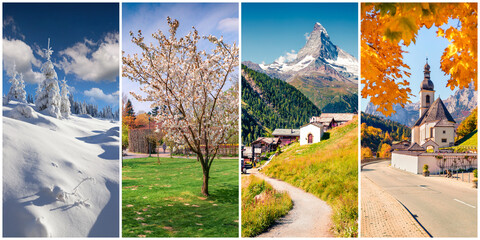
x,y
309,217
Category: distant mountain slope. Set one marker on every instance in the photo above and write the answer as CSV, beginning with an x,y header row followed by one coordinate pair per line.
x,y
269,103
325,73
395,128
330,95
376,131
460,104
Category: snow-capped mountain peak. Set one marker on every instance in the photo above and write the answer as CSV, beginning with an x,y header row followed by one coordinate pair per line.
x,y
318,55
319,27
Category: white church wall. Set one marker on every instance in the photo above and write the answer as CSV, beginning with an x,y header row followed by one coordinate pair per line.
x,y
449,135
431,161
414,164
425,132
415,135
405,162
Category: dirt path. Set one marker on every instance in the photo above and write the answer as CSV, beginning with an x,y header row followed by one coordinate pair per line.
x,y
309,217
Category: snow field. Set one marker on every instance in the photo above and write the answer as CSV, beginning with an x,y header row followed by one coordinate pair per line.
x,y
60,176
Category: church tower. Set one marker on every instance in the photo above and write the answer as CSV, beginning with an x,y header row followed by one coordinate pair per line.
x,y
427,93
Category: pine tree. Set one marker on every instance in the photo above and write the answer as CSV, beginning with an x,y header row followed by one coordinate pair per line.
x,y
129,109
155,111
17,89
65,102
48,92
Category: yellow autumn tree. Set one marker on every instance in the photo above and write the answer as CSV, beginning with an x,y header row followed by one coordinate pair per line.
x,y
366,152
385,151
386,27
142,120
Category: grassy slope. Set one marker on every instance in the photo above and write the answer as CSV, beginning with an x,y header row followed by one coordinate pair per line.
x,y
165,200
323,90
327,169
257,216
469,140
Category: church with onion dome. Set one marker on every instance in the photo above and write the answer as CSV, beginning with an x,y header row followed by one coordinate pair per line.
x,y
435,126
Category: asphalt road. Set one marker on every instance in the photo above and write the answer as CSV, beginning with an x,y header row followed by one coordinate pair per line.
x,y
444,207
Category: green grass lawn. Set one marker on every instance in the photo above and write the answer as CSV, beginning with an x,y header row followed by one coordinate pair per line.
x,y
329,170
165,200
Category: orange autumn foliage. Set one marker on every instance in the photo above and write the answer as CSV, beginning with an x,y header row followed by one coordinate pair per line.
x,y
385,27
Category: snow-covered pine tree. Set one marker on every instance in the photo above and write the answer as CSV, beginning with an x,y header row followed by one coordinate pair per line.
x,y
22,95
17,89
65,102
48,93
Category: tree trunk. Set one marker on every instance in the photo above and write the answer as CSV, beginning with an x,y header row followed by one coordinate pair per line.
x,y
205,183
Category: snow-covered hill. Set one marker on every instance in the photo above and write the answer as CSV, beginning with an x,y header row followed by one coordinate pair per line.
x,y
60,176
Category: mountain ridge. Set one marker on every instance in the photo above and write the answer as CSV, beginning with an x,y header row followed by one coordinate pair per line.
x,y
459,105
322,71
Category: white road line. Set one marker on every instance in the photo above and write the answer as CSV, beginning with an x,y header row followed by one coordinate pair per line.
x,y
464,203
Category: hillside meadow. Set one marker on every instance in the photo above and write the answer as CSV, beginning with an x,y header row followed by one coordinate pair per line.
x,y
329,170
260,213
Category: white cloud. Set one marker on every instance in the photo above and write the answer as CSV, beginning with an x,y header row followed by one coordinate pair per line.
x,y
97,93
307,36
10,22
288,57
71,89
99,65
18,52
228,25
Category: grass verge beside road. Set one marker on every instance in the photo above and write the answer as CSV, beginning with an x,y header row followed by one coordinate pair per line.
x,y
261,205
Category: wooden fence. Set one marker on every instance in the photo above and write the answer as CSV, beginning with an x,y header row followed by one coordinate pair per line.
x,y
223,150
138,140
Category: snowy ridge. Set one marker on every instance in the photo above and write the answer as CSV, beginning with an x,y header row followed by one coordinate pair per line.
x,y
61,176
345,62
285,67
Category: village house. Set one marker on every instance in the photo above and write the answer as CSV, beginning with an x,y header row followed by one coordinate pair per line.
x,y
339,118
311,133
247,153
286,135
266,144
327,122
400,145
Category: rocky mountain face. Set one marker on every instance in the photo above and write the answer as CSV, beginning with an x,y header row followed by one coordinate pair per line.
x,y
406,116
322,71
460,104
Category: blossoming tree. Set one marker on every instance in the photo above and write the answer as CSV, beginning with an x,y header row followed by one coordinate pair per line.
x,y
197,89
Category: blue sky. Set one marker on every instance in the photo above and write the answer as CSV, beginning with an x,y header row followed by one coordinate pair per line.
x,y
218,19
427,45
270,30
84,40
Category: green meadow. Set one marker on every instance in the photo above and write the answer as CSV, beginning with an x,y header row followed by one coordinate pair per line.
x,y
164,200
329,170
